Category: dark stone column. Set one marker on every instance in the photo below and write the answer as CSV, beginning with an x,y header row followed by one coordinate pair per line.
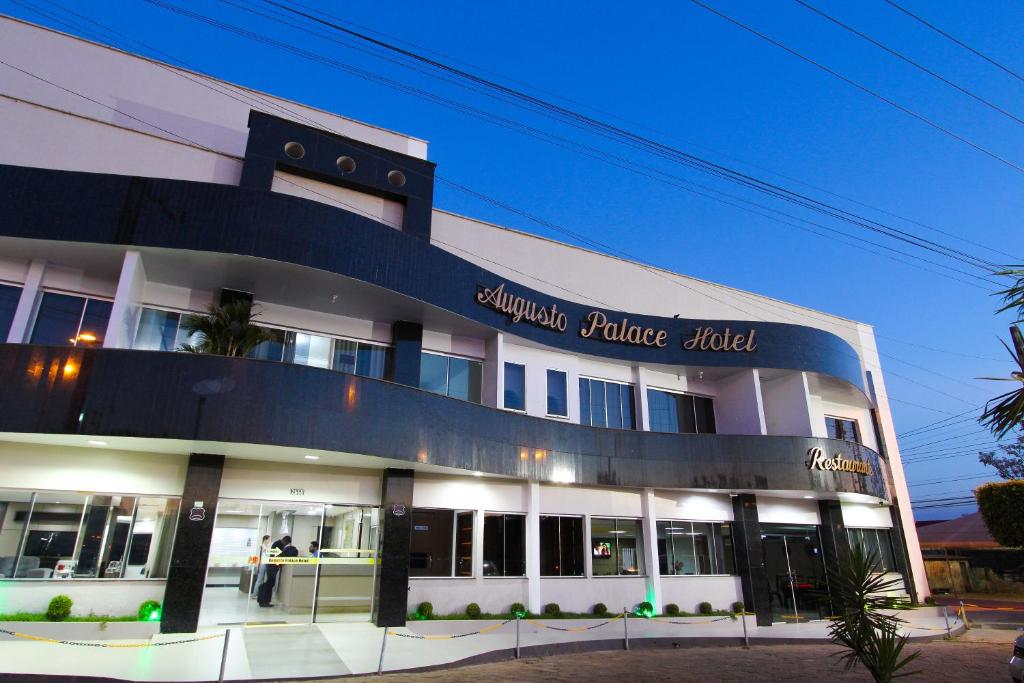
x,y
899,551
750,558
408,339
187,574
835,542
391,603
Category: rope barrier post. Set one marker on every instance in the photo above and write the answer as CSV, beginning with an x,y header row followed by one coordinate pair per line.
x,y
224,654
383,644
625,625
517,636
963,615
743,618
945,615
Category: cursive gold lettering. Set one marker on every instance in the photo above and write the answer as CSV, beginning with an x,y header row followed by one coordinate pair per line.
x,y
519,309
818,461
707,339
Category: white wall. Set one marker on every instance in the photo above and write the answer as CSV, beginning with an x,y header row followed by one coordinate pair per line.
x,y
256,479
577,500
787,511
689,591
738,407
36,467
866,516
465,493
114,597
861,415
697,507
786,405
575,594
450,596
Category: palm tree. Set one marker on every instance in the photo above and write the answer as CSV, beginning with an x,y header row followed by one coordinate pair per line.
x,y
1006,411
226,330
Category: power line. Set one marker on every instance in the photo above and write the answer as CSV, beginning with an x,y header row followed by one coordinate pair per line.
x,y
946,481
962,44
938,424
909,61
863,88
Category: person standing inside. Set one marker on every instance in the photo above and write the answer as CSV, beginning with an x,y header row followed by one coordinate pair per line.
x,y
261,573
266,590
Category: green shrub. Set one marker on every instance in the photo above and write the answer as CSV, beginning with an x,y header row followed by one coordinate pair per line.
x,y
473,610
1002,507
705,608
600,609
517,609
645,609
425,610
552,609
59,609
738,607
149,610
672,609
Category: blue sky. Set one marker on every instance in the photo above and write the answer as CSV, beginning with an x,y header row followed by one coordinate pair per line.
x,y
689,79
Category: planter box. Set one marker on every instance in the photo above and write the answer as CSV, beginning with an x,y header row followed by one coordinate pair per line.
x,y
85,630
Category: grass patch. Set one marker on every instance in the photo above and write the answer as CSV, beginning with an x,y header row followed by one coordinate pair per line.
x,y
41,616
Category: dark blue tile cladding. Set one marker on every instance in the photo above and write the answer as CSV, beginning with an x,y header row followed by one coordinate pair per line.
x,y
85,207
150,394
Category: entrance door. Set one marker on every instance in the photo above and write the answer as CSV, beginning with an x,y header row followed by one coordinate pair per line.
x,y
798,590
347,564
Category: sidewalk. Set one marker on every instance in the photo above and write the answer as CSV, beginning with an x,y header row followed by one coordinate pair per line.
x,y
354,648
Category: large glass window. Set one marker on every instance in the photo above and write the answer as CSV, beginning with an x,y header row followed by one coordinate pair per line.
x,y
606,404
160,330
515,386
504,545
69,535
878,541
360,358
9,296
558,404
842,429
442,543
680,413
695,548
67,320
307,349
561,546
451,376
618,546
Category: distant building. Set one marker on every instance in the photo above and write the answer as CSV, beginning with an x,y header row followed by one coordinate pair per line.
x,y
961,555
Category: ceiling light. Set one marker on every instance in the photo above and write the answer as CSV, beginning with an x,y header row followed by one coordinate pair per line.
x,y
311,457
97,442
809,497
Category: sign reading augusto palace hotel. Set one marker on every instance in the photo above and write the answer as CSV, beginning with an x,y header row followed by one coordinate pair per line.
x,y
596,325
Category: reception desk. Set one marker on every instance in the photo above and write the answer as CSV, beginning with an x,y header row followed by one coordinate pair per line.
x,y
341,588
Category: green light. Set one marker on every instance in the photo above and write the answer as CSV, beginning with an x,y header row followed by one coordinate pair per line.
x,y
154,615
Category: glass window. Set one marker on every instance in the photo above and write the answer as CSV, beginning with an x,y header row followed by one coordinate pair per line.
x,y
307,349
272,348
68,535
557,393
450,376
67,320
606,404
360,358
618,547
160,330
687,548
842,429
442,543
561,546
515,386
680,413
504,545
9,296
878,541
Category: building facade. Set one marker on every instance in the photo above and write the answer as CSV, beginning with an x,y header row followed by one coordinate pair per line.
x,y
453,411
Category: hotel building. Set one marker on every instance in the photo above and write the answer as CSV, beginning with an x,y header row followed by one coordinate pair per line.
x,y
454,411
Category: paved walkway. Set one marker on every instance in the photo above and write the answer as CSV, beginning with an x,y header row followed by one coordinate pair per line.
x,y
974,659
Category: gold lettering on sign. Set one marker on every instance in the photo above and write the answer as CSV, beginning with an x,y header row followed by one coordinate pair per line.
x,y
706,339
519,309
818,461
596,326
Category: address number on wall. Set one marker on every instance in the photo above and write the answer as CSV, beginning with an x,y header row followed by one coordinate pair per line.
x,y
297,492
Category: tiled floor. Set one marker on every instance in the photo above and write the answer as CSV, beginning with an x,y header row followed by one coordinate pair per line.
x,y
228,606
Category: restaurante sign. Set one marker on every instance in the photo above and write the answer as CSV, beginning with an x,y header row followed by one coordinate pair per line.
x,y
818,461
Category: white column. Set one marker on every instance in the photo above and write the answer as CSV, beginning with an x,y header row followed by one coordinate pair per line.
x,y
787,406
125,311
643,417
650,530
533,546
739,406
492,383
478,550
588,556
20,330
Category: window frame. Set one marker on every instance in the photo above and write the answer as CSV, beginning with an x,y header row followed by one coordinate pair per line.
x,y
692,394
453,565
547,391
43,291
641,559
716,552
857,434
583,538
632,407
20,286
882,557
504,389
448,373
504,544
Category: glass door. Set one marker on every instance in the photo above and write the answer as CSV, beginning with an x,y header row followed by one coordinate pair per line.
x,y
346,563
798,590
